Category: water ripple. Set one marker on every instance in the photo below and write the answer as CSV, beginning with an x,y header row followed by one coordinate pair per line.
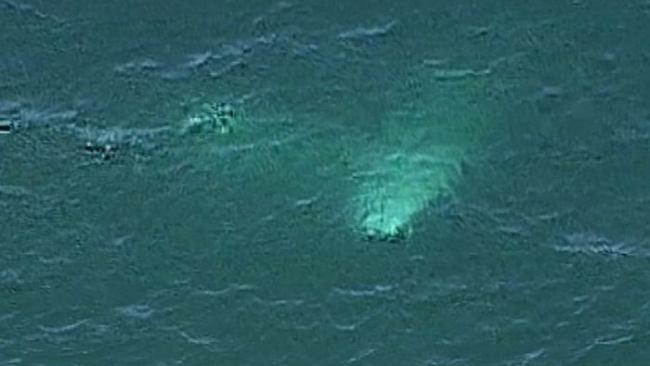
x,y
233,287
63,328
589,243
136,311
378,289
368,32
361,355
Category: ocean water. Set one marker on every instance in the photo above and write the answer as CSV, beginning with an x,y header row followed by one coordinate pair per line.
x,y
324,182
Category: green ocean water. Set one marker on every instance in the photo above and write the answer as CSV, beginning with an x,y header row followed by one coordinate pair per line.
x,y
416,183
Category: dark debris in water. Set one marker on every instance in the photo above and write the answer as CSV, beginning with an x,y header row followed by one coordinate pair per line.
x,y
6,127
103,152
401,235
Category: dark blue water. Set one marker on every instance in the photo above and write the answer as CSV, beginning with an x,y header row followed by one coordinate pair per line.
x,y
324,183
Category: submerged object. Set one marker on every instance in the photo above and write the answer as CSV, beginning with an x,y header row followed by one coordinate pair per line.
x,y
399,185
414,156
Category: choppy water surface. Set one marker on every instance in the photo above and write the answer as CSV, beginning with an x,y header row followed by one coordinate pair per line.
x,y
324,183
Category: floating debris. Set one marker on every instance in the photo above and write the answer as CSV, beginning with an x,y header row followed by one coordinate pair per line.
x,y
104,152
396,235
215,117
6,127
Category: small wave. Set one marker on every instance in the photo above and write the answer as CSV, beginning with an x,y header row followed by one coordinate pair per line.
x,y
136,311
377,289
197,340
117,136
588,243
10,277
132,67
234,287
27,117
361,355
63,328
363,32
15,191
